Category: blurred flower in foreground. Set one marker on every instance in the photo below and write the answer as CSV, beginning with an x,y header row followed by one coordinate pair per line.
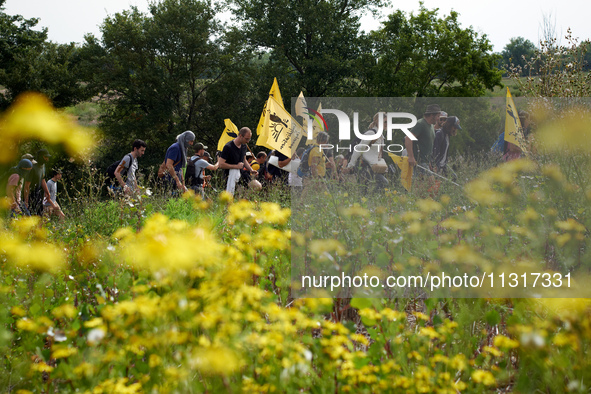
x,y
567,134
169,244
32,117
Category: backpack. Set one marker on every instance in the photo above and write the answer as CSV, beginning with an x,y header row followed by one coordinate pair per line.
x,y
191,178
113,167
304,168
499,145
4,180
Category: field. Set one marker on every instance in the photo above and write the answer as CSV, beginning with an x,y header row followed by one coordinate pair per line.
x,y
158,294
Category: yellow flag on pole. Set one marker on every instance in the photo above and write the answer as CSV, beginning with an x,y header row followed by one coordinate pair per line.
x,y
283,132
300,106
263,131
405,168
301,110
513,130
316,127
276,94
229,133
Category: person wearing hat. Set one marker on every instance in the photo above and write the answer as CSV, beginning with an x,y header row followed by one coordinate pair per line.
x,y
35,186
249,158
176,159
15,185
419,151
194,178
441,144
129,165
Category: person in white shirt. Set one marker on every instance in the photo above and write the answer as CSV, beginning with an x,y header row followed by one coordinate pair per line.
x,y
371,152
129,166
48,208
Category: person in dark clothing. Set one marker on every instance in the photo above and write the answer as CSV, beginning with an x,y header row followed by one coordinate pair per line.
x,y
233,159
441,144
279,176
175,160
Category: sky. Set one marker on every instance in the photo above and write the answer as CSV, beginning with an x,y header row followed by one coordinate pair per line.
x,y
69,20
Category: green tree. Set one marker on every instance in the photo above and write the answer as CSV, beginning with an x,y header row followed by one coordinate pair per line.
x,y
425,55
560,69
516,54
156,70
318,40
29,62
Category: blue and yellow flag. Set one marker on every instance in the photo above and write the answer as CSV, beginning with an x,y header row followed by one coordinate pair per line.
x,y
513,130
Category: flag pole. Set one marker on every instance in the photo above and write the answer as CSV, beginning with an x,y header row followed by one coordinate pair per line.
x,y
433,173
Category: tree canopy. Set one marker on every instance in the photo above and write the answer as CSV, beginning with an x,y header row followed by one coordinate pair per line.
x,y
517,53
29,62
319,40
426,55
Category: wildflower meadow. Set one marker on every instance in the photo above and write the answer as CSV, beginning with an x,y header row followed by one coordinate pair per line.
x,y
191,295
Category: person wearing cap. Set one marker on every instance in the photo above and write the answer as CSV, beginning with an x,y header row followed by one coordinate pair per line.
x,y
130,165
15,185
35,186
55,175
419,151
440,122
249,158
441,144
200,161
29,156
176,159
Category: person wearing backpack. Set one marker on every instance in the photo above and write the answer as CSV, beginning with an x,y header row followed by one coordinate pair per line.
x,y
14,187
313,166
194,176
35,186
175,160
128,166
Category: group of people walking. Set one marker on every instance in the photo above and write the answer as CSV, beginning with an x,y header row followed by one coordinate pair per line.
x,y
29,193
27,190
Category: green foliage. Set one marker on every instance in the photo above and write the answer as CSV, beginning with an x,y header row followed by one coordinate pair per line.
x,y
425,55
516,54
319,40
557,70
155,70
29,62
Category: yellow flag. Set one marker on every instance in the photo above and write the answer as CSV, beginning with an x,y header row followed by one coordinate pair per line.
x,y
282,131
406,175
301,110
513,130
229,133
276,94
263,131
300,106
316,128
